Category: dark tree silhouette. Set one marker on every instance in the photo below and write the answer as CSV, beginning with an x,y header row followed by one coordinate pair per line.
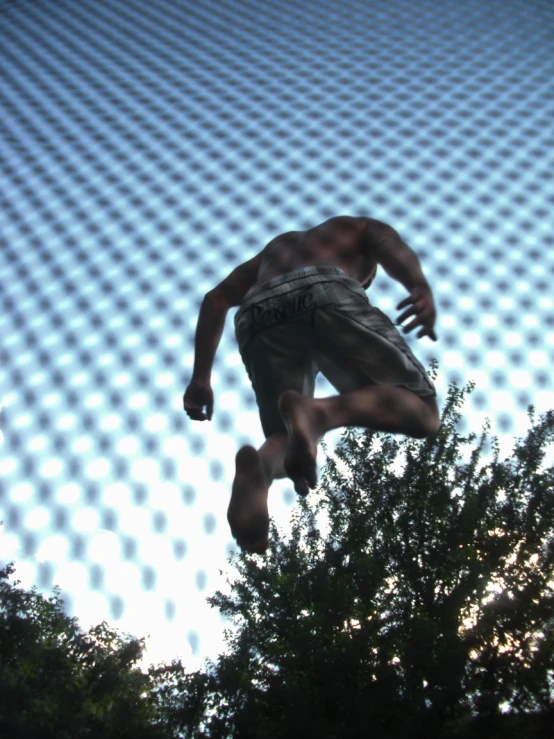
x,y
413,597
58,682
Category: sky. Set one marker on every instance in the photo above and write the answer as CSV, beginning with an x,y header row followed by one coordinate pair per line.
x,y
150,148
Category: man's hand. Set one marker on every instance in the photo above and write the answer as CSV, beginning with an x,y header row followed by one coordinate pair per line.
x,y
423,308
198,394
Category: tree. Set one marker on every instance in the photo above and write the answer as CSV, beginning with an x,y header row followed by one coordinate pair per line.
x,y
413,597
426,608
58,682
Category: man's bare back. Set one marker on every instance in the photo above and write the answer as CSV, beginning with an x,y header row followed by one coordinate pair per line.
x,y
341,241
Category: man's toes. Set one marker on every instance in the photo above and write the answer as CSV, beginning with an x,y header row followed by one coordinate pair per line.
x,y
251,532
301,487
247,460
258,546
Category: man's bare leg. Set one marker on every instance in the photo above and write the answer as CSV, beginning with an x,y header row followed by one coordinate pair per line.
x,y
379,407
293,454
248,514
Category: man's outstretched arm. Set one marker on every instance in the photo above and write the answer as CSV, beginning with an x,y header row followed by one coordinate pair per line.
x,y
211,322
402,264
199,393
215,306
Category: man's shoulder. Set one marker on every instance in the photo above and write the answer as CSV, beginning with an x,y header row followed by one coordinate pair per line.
x,y
364,224
343,220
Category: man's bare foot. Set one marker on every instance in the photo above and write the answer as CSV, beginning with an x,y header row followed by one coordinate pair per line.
x,y
247,514
304,424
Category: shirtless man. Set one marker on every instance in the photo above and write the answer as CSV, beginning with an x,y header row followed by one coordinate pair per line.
x,y
303,310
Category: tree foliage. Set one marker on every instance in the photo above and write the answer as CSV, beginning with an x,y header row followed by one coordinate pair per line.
x,y
57,681
412,597
425,609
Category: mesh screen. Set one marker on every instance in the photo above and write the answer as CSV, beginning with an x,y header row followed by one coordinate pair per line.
x,y
149,148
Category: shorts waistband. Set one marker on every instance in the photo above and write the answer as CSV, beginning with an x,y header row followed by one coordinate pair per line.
x,y
295,274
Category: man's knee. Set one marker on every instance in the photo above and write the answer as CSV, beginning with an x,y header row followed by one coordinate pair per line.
x,y
431,420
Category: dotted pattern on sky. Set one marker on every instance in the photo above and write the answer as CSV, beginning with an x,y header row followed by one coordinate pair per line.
x,y
148,149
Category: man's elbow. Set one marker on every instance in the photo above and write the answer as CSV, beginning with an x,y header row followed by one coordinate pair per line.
x,y
217,300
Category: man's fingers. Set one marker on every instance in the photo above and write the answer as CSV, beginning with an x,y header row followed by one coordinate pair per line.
x,y
423,313
420,321
410,327
427,332
406,314
405,302
195,414
418,307
197,397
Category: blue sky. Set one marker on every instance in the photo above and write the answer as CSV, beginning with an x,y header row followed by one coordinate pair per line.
x,y
150,148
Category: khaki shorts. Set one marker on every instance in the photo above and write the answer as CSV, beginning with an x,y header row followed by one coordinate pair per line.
x,y
318,319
